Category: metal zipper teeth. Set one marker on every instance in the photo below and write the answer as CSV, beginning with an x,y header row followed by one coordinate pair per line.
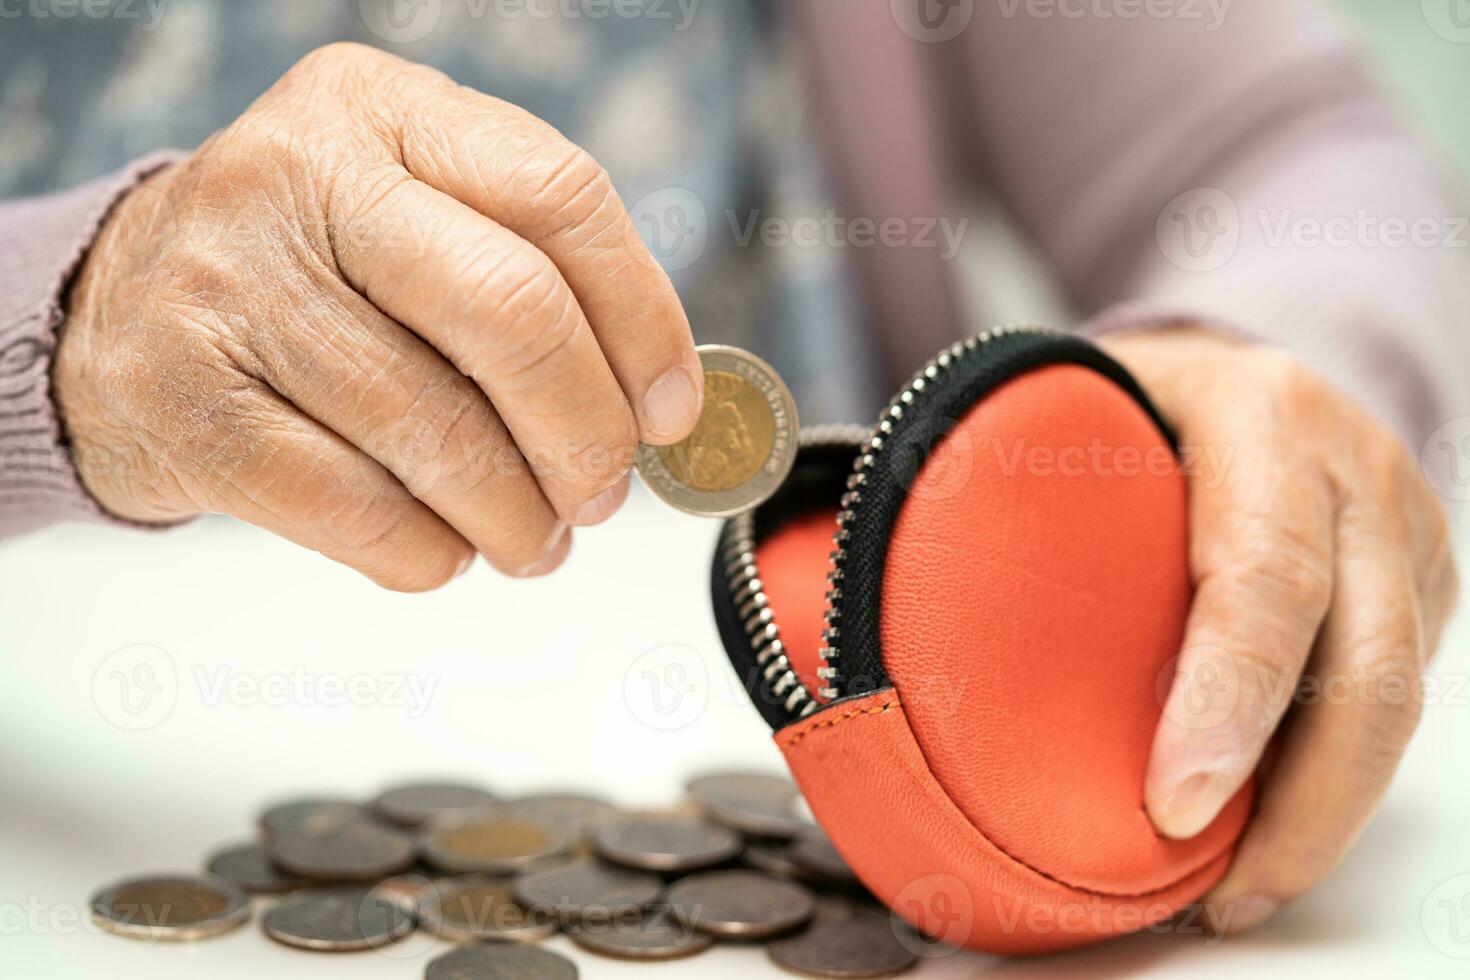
x,y
872,448
778,679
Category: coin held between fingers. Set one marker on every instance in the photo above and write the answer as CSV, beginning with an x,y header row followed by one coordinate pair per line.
x,y
743,446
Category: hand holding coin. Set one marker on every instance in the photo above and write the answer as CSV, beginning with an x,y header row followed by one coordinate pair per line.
x,y
741,449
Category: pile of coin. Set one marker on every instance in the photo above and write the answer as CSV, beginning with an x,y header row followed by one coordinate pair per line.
x,y
737,862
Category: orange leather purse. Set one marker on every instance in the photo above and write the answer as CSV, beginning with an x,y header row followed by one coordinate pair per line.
x,y
966,684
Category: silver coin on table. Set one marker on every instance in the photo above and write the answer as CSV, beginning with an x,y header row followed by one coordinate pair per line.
x,y
356,851
754,803
471,908
740,904
311,813
250,867
743,446
656,935
171,907
774,858
672,844
412,804
571,813
586,890
814,851
489,843
844,943
486,962
337,920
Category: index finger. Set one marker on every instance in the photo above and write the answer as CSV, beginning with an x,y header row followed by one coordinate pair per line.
x,y
512,167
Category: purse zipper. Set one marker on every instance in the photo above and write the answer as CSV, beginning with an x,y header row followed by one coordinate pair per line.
x,y
868,457
778,679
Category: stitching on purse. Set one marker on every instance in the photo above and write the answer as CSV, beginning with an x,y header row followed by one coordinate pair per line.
x,y
833,722
1079,889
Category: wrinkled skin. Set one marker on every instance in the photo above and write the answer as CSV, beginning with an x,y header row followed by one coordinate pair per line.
x,y
390,318
401,322
1320,556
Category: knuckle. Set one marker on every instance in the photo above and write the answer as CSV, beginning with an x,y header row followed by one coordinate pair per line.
x,y
590,455
1388,467
333,61
536,313
458,428
366,522
1284,570
1298,391
574,192
1385,684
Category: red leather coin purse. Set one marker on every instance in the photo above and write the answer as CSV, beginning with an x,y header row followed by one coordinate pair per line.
x,y
967,683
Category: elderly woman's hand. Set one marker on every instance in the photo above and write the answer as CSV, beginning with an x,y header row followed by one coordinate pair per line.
x,y
388,317
1323,577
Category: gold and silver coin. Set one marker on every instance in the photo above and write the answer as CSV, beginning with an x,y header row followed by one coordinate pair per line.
x,y
645,886
171,907
743,446
486,843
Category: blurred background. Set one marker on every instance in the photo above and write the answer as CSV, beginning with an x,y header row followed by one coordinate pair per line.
x,y
704,109
488,679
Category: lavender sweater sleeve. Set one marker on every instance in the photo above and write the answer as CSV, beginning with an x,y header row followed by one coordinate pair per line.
x,y
42,242
1243,171
1238,168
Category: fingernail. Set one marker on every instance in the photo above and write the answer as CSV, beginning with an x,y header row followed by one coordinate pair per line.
x,y
555,553
671,405
1244,913
1193,804
602,506
465,564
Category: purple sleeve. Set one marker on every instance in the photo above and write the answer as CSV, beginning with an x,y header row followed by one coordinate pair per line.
x,y
42,243
1252,127
1243,171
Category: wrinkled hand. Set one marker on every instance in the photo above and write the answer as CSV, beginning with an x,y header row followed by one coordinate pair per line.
x,y
1323,576
390,318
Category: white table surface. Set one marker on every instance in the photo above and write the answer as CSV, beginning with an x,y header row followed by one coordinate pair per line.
x,y
523,686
